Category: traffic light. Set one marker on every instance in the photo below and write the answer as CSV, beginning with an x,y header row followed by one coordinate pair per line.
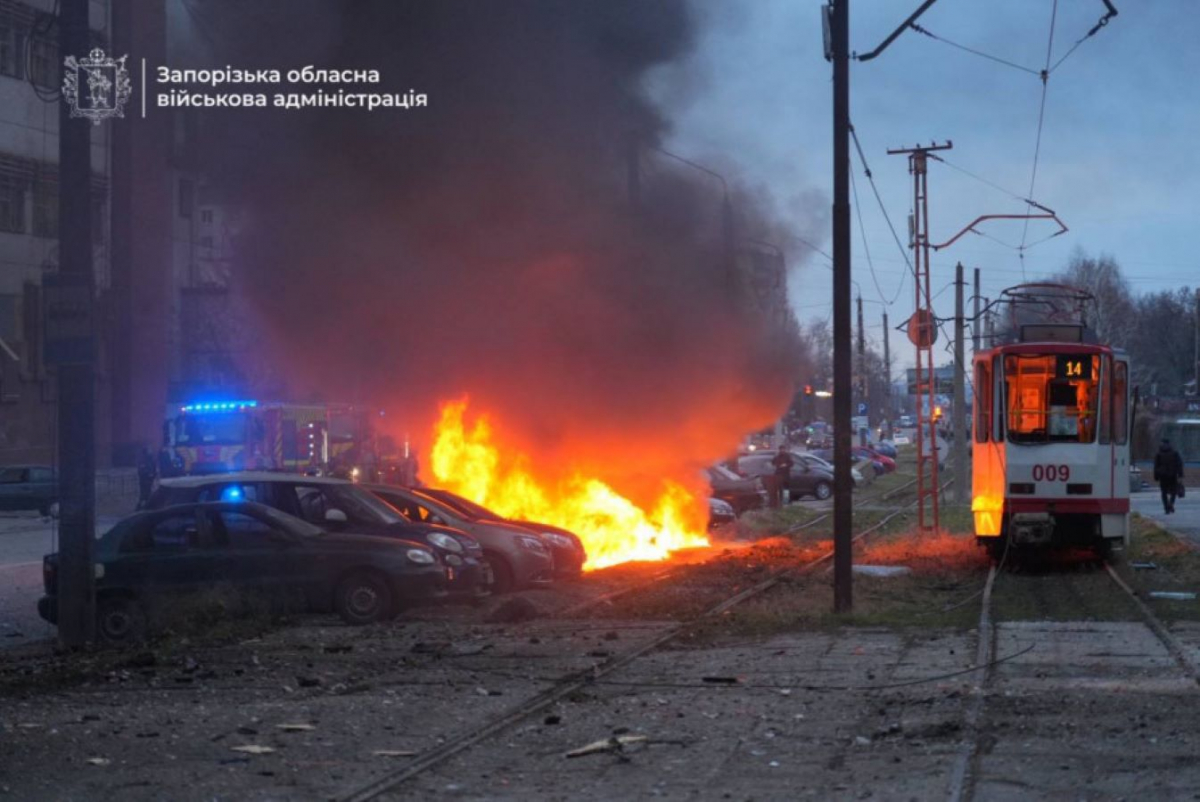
x,y
808,390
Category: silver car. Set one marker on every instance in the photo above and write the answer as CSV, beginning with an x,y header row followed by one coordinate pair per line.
x,y
518,557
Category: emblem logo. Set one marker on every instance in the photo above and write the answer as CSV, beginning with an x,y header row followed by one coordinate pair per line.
x,y
106,82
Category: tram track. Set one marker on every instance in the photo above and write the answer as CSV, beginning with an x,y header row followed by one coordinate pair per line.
x,y
575,681
965,772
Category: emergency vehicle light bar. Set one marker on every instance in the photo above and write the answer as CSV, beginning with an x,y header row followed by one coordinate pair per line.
x,y
218,406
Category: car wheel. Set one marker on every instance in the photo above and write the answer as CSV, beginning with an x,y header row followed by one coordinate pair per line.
x,y
363,598
120,620
823,490
502,574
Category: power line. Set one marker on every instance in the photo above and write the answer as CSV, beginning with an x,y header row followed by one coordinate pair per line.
x,y
972,50
871,180
1037,145
867,250
1108,15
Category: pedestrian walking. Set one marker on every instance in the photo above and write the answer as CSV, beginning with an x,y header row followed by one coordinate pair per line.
x,y
783,463
1168,472
146,470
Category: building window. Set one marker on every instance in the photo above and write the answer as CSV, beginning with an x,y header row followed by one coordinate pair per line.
x,y
8,318
186,190
45,208
45,68
10,49
12,204
206,216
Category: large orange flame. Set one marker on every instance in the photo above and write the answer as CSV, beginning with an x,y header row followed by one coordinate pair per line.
x,y
613,529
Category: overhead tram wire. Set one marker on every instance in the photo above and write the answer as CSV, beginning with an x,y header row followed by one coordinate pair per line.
x,y
972,50
1037,145
867,250
878,199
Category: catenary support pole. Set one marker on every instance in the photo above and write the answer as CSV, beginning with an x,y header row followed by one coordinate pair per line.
x,y
960,391
76,389
975,317
887,385
843,517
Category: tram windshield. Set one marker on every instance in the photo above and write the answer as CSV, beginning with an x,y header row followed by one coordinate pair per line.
x,y
1051,398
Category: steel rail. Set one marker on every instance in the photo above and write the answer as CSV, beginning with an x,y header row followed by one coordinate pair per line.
x,y
965,769
578,680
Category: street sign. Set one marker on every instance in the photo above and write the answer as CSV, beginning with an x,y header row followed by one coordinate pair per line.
x,y
862,409
922,332
69,319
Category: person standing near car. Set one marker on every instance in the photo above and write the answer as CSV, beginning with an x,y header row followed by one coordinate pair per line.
x,y
783,463
1168,472
146,470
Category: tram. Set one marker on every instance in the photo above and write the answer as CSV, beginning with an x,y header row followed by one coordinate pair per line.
x,y
1051,430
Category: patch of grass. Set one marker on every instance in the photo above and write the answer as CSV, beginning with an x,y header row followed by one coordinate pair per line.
x,y
1178,569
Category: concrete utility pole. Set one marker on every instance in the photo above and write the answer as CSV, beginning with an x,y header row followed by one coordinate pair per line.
x,y
864,384
72,316
975,317
960,391
1196,344
887,370
843,516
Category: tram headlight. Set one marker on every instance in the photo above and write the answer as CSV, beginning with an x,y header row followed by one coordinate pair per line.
x,y
988,512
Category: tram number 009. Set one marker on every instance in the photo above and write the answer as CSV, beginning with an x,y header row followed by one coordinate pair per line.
x,y
1051,473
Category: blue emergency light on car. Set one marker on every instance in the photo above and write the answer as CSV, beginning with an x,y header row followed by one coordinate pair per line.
x,y
232,493
218,406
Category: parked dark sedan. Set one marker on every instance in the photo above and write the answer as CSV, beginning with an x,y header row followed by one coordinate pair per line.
x,y
740,492
339,506
152,559
805,479
567,548
28,487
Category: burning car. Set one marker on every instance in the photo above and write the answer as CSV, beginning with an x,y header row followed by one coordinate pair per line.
x,y
518,558
336,505
153,560
567,548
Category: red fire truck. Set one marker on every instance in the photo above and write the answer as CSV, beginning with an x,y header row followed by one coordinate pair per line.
x,y
233,435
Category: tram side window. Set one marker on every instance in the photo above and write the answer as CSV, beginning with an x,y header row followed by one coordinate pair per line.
x,y
983,402
1120,407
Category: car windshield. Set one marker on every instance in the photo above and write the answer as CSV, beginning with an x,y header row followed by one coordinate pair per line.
x,y
211,429
724,473
358,504
468,508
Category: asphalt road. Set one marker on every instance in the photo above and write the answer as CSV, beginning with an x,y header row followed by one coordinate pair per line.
x,y
24,538
1184,522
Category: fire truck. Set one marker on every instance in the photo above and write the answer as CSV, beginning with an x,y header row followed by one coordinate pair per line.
x,y
243,434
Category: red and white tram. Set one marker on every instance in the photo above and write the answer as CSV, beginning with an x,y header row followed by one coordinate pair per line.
x,y
1051,436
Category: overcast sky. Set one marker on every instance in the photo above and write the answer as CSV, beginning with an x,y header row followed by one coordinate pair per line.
x,y
1118,159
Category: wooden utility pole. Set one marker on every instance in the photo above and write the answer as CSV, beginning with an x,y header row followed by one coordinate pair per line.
x,y
70,317
843,516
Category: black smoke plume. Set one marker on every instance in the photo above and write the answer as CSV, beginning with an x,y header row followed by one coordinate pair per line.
x,y
490,243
